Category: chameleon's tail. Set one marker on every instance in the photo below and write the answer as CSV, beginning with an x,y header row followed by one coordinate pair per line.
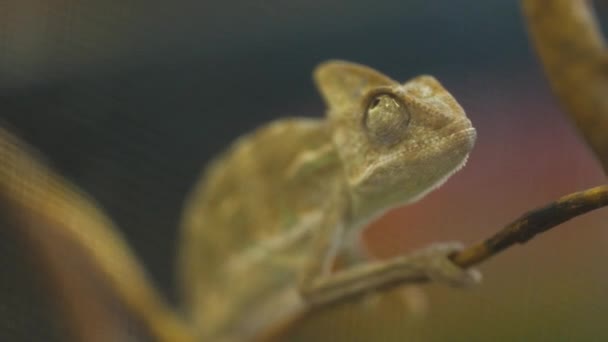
x,y
101,290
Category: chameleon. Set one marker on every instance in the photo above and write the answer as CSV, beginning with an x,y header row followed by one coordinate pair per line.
x,y
262,228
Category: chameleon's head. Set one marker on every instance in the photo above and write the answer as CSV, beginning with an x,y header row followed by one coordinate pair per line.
x,y
396,141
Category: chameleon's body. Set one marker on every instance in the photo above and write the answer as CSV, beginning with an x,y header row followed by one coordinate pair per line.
x,y
270,214
252,206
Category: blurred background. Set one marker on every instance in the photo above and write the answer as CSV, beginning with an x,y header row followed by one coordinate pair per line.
x,y
129,99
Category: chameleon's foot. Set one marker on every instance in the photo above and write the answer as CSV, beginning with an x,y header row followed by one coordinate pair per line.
x,y
441,268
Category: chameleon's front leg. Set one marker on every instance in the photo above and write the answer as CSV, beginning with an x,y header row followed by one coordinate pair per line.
x,y
319,286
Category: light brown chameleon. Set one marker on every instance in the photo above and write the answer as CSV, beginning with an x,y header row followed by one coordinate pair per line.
x,y
268,217
262,228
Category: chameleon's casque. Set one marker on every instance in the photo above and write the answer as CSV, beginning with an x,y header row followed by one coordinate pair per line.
x,y
272,211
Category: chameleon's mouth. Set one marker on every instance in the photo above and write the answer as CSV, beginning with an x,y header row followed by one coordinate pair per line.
x,y
452,149
458,128
468,134
459,135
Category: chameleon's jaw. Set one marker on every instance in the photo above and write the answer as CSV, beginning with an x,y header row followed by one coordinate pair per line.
x,y
462,142
401,178
438,155
461,128
451,145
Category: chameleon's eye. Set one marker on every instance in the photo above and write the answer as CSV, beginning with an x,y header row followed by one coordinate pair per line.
x,y
386,119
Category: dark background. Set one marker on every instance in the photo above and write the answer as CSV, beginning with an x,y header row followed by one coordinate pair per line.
x,y
129,99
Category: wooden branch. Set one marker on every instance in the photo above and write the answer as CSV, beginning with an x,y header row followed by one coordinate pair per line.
x,y
533,223
571,48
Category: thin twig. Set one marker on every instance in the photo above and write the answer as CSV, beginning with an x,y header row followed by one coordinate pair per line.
x,y
533,223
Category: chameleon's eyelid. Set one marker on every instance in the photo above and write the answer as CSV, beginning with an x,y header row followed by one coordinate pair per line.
x,y
375,92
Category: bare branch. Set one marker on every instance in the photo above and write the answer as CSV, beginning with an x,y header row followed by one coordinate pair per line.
x,y
533,223
569,43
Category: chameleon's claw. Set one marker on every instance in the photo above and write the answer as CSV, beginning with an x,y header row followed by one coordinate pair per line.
x,y
441,268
